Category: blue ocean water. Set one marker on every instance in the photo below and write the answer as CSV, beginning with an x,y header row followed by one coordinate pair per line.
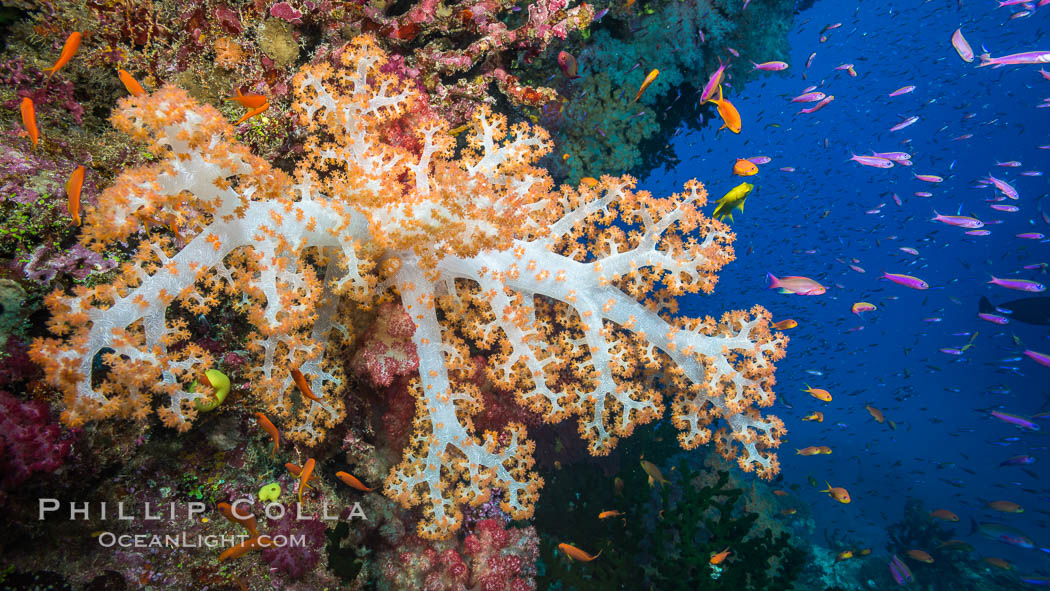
x,y
946,448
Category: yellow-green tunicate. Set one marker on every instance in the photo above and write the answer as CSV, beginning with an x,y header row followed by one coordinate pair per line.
x,y
270,492
220,383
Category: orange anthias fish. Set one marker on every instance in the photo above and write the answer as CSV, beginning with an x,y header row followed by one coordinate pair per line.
x,y
589,181
744,168
1006,507
248,522
814,416
352,482
256,102
998,563
249,101
784,324
73,186
304,386
576,554
239,550
719,557
818,393
296,471
808,451
921,556
730,116
29,120
654,473
944,515
68,51
645,84
608,514
304,475
844,555
780,493
568,66
269,428
132,85
252,113
838,493
875,413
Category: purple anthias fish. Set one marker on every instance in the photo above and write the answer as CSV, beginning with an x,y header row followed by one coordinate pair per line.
x,y
900,571
1005,207
1015,420
1040,358
809,97
895,156
1028,57
904,123
905,280
873,161
995,318
1004,186
1004,534
1018,461
960,221
712,83
1018,284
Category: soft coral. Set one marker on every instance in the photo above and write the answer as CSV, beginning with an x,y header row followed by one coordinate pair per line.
x,y
29,441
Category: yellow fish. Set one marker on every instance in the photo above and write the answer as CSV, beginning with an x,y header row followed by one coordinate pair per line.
x,y
734,199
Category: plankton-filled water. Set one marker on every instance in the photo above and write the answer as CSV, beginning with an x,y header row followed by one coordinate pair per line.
x,y
450,295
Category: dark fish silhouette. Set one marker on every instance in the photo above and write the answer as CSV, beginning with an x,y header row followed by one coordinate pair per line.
x,y
1027,310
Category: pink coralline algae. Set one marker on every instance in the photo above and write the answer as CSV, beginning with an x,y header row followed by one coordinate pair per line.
x,y
388,351
493,47
29,442
78,262
26,175
27,81
285,11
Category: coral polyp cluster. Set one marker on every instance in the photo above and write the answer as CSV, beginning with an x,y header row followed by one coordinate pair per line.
x,y
570,293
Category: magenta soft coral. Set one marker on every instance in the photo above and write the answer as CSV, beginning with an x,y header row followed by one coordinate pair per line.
x,y
503,559
387,351
493,558
29,441
291,559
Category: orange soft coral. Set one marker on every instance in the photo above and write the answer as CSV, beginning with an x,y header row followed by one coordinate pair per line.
x,y
572,292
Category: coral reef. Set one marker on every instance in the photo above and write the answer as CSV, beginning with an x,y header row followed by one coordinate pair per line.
x,y
578,315
665,536
599,127
916,530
